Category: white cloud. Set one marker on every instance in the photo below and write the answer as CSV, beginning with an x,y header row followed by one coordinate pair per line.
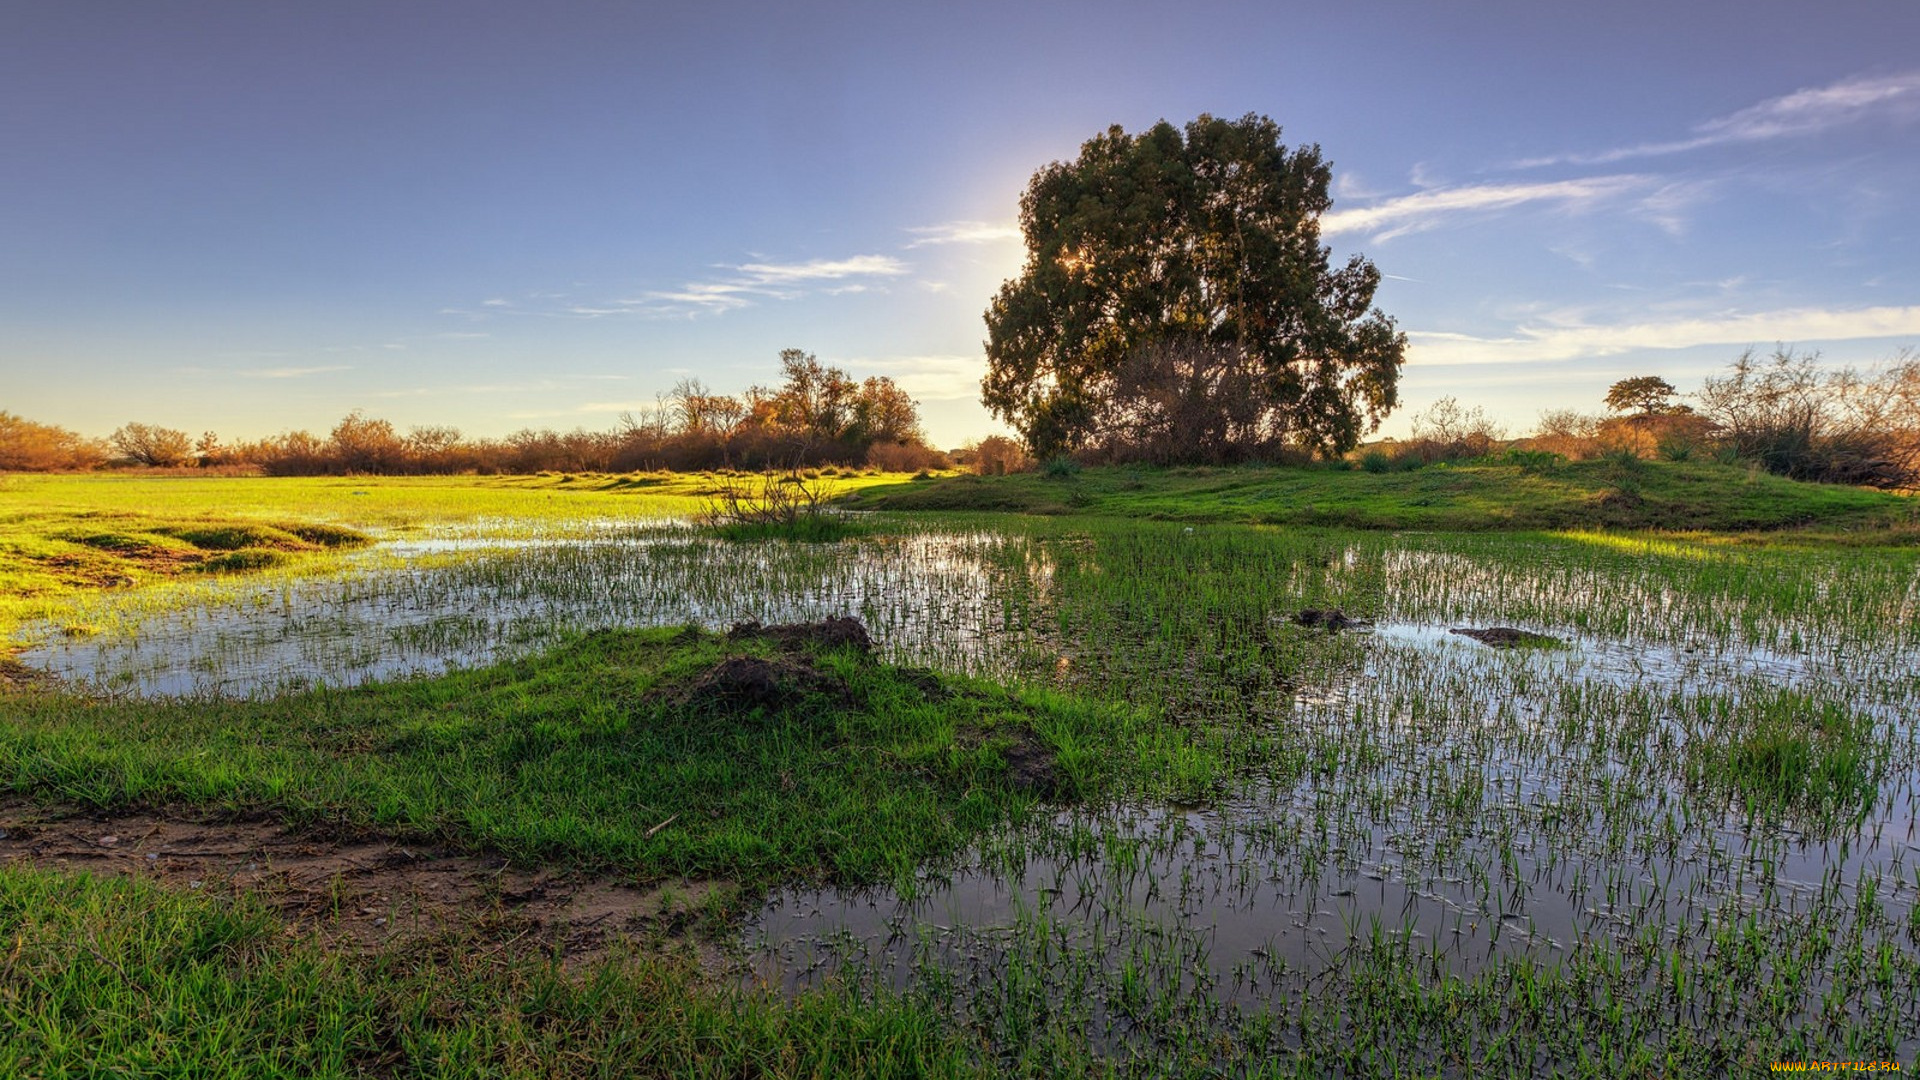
x,y
1803,112
929,378
963,232
1569,342
522,389
1429,209
823,270
1670,207
741,287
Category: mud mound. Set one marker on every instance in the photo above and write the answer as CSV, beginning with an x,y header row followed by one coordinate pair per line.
x,y
742,682
1331,620
15,675
831,633
1031,768
1506,637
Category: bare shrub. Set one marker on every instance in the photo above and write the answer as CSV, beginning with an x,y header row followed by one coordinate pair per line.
x,y
363,444
765,499
1673,435
152,445
788,505
1791,417
293,453
1568,432
997,455
904,457
26,446
1448,431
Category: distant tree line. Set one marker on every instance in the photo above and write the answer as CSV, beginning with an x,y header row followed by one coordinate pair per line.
x,y
817,415
1785,413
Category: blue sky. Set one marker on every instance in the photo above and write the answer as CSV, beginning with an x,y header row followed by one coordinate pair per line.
x,y
253,217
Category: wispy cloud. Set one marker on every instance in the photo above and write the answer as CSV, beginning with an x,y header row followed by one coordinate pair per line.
x,y
615,408
739,286
1803,112
749,282
941,377
823,270
559,383
1429,209
962,232
291,372
1569,342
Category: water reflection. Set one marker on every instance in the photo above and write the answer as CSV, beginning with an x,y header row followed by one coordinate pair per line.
x,y
422,606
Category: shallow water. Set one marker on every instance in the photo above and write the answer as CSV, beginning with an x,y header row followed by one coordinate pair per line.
x,y
1468,833
422,606
1453,807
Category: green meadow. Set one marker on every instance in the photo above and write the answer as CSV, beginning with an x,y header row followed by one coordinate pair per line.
x,y
297,772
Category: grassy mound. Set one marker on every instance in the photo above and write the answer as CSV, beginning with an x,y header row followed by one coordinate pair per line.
x,y
769,754
1677,496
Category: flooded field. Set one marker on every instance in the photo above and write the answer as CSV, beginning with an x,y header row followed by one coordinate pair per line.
x,y
1685,814
421,606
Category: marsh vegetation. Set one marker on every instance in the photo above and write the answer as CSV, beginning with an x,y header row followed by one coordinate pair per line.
x,y
1085,793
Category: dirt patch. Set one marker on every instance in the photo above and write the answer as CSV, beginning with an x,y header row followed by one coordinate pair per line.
x,y
15,675
1507,637
833,632
742,682
927,682
82,572
359,892
1332,620
1031,768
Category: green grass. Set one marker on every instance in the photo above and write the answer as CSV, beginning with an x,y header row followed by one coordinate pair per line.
x,y
68,535
1674,496
824,528
1723,712
619,751
1785,754
116,977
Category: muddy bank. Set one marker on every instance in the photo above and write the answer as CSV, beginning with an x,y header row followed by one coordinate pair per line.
x,y
1507,637
361,891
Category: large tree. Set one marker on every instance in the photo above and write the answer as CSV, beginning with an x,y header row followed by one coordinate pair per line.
x,y
1160,247
1650,395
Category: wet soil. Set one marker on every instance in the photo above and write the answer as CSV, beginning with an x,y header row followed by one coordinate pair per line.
x,y
18,677
360,892
1332,621
1031,768
742,682
833,632
1506,637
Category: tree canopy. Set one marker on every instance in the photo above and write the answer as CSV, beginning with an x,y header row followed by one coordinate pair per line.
x,y
1176,291
1649,395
